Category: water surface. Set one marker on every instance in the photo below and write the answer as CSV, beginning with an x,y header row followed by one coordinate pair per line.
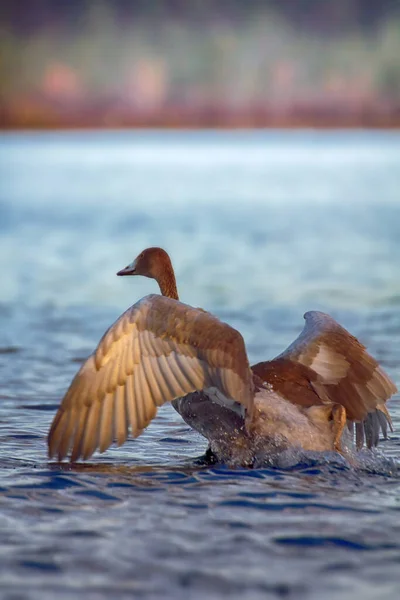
x,y
261,227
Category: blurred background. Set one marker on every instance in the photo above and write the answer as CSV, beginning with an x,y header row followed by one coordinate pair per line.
x,y
206,63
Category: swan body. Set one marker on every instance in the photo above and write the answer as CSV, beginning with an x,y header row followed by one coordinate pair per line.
x,y
161,350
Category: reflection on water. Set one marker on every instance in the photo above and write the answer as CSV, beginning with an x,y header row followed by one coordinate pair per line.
x,y
261,228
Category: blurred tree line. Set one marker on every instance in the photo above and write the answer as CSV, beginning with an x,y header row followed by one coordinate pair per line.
x,y
333,16
206,62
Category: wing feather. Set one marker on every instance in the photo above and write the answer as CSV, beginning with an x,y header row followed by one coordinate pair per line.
x,y
149,386
159,386
79,433
383,422
63,432
157,351
137,396
360,435
146,399
106,427
188,365
179,375
131,415
120,416
91,433
143,389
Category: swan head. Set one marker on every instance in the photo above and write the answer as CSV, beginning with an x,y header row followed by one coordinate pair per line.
x,y
151,262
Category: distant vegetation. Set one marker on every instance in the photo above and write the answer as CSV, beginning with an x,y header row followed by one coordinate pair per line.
x,y
199,63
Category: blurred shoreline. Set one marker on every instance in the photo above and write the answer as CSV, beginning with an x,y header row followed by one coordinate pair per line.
x,y
43,117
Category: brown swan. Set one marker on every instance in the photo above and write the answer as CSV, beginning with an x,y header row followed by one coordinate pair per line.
x,y
162,350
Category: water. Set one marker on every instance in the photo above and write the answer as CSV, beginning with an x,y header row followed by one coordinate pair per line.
x,y
261,227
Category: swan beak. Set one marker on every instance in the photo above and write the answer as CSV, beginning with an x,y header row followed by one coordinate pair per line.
x,y
129,270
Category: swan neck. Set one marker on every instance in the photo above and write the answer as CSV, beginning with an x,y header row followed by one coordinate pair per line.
x,y
167,284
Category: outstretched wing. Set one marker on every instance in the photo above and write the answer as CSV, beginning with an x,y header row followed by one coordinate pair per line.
x,y
158,350
334,367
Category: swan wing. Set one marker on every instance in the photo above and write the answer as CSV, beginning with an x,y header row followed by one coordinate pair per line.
x,y
343,372
158,350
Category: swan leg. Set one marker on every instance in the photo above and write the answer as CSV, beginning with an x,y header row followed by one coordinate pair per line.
x,y
207,459
339,418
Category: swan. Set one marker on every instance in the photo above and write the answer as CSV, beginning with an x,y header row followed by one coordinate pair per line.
x,y
162,350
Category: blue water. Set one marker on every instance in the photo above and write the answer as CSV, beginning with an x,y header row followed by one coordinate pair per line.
x,y
260,227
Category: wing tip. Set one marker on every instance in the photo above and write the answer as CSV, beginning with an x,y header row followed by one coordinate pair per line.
x,y
318,315
367,431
